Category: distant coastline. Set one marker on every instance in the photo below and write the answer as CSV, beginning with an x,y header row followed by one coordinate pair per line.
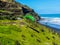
x,y
53,26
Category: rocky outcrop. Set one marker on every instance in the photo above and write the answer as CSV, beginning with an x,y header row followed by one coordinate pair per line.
x,y
9,1
12,9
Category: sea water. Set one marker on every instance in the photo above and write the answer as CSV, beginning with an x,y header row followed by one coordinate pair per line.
x,y
52,20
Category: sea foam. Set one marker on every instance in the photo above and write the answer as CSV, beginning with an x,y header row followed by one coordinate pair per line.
x,y
51,21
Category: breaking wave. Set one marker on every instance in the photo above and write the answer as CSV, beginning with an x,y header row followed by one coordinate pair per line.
x,y
51,21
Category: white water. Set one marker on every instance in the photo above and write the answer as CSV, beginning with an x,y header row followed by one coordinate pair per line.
x,y
51,21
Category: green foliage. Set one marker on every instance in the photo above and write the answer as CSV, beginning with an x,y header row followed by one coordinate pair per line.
x,y
22,32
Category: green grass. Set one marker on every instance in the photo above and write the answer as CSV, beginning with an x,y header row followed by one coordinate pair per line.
x,y
6,11
23,32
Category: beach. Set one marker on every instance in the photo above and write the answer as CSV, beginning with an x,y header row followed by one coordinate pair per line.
x,y
51,22
55,30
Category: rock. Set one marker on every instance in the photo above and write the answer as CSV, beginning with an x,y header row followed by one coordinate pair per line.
x,y
11,8
10,1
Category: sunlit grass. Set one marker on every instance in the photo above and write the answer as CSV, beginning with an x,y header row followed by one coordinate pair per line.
x,y
23,32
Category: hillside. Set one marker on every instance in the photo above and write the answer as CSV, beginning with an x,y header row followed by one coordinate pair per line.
x,y
23,31
13,10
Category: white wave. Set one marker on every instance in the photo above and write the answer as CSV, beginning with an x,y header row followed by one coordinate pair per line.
x,y
55,20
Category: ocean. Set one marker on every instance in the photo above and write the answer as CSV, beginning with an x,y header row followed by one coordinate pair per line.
x,y
50,15
52,20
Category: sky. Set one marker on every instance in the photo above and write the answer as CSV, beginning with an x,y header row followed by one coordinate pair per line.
x,y
43,6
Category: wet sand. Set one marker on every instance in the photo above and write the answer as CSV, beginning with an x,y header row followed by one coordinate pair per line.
x,y
52,28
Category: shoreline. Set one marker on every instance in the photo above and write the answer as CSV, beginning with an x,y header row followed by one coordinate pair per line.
x,y
52,28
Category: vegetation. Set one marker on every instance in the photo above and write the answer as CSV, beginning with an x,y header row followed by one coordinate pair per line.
x,y
23,32
14,9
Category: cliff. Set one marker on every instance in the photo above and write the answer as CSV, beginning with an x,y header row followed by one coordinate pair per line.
x,y
13,10
9,1
23,31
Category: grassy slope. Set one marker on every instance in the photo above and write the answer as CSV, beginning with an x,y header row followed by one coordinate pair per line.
x,y
24,32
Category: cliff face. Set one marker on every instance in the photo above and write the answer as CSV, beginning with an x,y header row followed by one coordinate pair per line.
x,y
11,8
9,1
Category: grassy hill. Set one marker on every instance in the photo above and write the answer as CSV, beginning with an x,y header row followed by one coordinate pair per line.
x,y
25,32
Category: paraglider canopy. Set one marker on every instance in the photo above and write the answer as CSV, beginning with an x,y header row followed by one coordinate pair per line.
x,y
29,16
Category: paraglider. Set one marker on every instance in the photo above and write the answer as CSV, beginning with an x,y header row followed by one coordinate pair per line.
x,y
30,17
